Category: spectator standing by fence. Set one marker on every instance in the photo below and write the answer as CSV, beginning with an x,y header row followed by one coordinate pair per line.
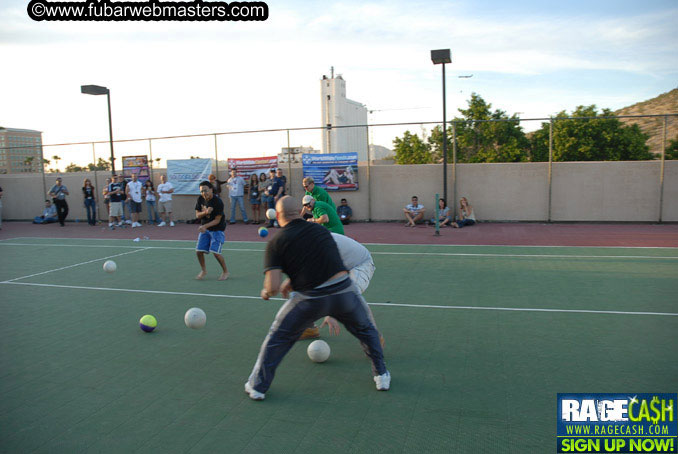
x,y
90,201
58,194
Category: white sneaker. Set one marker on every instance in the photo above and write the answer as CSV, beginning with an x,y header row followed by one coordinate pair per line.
x,y
162,224
171,223
135,224
253,393
383,381
128,222
119,224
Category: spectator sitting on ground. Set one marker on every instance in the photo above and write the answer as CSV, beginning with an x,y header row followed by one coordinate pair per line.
x,y
414,212
49,214
444,217
466,214
345,212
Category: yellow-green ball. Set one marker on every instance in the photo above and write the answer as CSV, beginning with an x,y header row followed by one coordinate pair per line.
x,y
148,323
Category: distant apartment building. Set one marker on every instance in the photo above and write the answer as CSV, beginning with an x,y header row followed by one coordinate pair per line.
x,y
337,110
294,153
20,150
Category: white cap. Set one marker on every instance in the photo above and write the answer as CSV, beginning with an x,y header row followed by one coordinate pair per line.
x,y
307,199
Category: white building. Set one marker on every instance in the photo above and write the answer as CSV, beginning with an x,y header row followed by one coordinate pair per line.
x,y
337,110
295,153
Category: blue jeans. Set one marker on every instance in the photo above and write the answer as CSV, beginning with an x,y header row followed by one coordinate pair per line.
x,y
91,207
41,220
152,212
464,222
241,203
341,301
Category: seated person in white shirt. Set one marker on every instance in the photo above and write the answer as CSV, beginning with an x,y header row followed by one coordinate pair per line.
x,y
414,212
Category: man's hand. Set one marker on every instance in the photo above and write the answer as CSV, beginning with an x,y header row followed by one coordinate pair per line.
x,y
286,288
264,294
332,324
202,229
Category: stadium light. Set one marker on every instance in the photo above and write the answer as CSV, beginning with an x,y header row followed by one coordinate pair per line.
x,y
441,57
99,90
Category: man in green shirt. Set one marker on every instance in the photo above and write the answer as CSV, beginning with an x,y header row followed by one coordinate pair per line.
x,y
317,192
323,214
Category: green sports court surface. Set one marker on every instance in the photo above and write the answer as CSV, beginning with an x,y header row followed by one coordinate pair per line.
x,y
479,340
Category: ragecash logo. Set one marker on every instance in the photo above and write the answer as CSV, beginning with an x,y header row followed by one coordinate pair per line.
x,y
633,423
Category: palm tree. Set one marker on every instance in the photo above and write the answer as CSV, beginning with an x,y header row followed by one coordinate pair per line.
x,y
56,163
45,162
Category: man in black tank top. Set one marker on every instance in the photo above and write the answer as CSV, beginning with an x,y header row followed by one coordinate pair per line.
x,y
320,286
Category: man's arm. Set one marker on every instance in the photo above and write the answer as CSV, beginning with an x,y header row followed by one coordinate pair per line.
x,y
324,219
271,283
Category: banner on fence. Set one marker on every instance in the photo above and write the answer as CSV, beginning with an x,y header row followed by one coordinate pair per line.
x,y
186,174
247,166
334,172
135,164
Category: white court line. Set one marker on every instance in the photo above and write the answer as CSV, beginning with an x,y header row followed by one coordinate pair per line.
x,y
426,306
382,244
445,254
10,281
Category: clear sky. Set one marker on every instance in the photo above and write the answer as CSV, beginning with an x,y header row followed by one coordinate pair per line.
x,y
174,78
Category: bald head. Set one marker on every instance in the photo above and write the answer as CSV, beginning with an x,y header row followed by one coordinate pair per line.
x,y
287,209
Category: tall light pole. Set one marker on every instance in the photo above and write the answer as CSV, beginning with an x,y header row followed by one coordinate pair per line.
x,y
99,90
440,57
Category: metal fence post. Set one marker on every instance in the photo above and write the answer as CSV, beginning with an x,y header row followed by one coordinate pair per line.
x,y
216,157
661,171
369,178
550,166
289,163
454,170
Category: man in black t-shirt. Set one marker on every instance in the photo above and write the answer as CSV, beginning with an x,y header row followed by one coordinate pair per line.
x,y
320,286
210,210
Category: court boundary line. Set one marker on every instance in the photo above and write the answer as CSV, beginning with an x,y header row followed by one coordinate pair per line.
x,y
444,254
426,306
11,281
376,244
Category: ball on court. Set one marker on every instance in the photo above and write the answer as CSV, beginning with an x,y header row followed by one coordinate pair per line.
x,y
270,214
263,232
195,318
110,266
318,351
148,323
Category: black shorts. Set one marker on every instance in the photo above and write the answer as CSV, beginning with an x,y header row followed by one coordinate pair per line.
x,y
134,207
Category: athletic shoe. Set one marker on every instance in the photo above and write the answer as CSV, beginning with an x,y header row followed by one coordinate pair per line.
x,y
383,381
171,223
162,224
128,222
310,333
119,224
253,393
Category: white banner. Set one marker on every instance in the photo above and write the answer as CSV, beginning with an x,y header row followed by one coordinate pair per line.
x,y
186,174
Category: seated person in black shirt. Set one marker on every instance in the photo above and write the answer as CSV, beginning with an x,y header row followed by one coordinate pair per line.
x,y
209,209
320,286
345,212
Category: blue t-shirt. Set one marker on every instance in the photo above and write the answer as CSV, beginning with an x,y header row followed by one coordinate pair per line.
x,y
275,187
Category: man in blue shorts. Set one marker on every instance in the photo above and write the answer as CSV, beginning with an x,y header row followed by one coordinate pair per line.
x,y
210,210
307,253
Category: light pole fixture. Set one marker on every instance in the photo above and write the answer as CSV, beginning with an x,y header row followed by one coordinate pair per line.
x,y
440,57
99,90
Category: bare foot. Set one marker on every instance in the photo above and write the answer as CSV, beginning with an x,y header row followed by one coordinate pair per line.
x,y
201,275
224,276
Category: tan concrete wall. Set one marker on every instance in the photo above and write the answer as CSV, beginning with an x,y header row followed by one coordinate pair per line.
x,y
581,191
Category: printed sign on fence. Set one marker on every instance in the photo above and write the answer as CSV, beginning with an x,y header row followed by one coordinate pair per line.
x,y
334,172
186,174
247,166
135,164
